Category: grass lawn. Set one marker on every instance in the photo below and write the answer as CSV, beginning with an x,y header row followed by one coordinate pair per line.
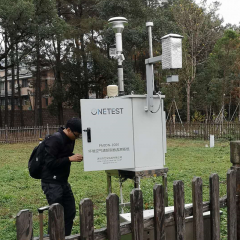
x,y
185,159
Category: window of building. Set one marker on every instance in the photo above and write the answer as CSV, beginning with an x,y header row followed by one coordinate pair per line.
x,y
2,102
46,101
25,82
2,86
46,84
16,102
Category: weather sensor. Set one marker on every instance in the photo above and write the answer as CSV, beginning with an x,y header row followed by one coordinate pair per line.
x,y
117,24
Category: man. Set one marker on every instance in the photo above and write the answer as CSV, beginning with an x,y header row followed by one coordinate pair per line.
x,y
58,157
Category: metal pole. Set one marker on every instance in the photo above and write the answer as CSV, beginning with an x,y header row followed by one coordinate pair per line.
x,y
149,25
118,23
120,79
121,195
118,37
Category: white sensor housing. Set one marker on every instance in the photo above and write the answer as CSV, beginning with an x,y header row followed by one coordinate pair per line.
x,y
172,51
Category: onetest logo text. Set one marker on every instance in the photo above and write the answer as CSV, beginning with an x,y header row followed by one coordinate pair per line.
x,y
106,111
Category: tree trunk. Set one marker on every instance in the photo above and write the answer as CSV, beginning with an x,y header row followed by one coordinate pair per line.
x,y
206,112
36,116
13,97
1,116
59,83
188,102
38,92
79,78
229,107
85,69
19,90
6,85
58,74
239,102
1,123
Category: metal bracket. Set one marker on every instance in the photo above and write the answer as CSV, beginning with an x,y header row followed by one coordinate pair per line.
x,y
153,60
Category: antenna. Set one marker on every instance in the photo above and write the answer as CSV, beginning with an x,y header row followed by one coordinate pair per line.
x,y
117,24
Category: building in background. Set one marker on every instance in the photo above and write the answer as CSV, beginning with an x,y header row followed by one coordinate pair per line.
x,y
27,82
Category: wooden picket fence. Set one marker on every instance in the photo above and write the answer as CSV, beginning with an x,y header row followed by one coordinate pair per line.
x,y
25,134
227,130
202,130
136,227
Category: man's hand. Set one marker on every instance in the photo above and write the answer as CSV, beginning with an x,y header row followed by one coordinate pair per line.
x,y
76,158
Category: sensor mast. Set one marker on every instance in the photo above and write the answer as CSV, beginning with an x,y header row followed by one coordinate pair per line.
x,y
117,24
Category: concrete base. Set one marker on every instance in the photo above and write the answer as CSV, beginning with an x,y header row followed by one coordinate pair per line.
x,y
170,227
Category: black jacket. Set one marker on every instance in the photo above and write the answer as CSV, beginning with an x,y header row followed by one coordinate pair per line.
x,y
58,149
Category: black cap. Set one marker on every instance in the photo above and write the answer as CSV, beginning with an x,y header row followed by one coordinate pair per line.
x,y
74,124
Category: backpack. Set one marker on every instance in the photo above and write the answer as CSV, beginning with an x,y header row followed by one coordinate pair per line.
x,y
36,160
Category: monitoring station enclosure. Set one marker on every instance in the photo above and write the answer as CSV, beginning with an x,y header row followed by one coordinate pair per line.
x,y
128,132
123,135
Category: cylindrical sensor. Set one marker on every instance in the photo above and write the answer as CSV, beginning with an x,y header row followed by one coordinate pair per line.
x,y
112,90
119,42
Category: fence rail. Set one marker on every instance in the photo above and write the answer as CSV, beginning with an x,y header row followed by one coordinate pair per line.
x,y
228,130
25,134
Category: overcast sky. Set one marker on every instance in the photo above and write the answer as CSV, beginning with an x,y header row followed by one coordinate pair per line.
x,y
229,10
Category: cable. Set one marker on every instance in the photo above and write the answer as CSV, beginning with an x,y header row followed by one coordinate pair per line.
x,y
159,94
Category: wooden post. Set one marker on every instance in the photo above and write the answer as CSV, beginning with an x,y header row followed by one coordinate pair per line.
x,y
109,183
164,181
40,214
159,212
40,131
86,219
197,200
231,205
136,182
205,130
235,160
18,133
41,226
174,121
113,222
214,207
47,129
6,133
56,222
179,209
137,214
24,225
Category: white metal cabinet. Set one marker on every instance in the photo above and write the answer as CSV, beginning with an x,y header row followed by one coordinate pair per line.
x,y
123,135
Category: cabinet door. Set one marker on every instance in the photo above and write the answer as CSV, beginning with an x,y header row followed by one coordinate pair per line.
x,y
107,134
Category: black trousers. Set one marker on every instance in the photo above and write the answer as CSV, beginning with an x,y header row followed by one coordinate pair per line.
x,y
63,195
